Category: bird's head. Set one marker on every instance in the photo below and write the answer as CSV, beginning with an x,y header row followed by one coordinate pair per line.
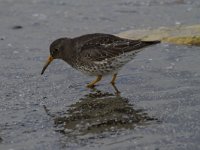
x,y
56,51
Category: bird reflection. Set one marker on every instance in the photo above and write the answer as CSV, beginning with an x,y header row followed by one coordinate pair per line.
x,y
99,112
117,92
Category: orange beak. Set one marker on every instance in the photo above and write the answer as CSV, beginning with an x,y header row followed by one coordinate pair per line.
x,y
50,59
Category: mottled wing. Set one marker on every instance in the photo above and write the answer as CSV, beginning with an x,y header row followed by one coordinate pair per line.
x,y
108,46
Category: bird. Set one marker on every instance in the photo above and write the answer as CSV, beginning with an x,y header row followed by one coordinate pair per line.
x,y
96,54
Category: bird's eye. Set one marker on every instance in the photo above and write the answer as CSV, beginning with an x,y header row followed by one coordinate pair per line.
x,y
54,51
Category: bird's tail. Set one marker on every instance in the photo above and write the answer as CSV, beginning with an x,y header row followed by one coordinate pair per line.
x,y
151,42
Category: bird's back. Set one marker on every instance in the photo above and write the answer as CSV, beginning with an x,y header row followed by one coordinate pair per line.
x,y
104,53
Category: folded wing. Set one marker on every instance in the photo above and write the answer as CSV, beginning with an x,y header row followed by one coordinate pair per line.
x,y
99,47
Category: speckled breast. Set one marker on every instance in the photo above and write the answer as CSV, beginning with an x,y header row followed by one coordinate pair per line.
x,y
106,66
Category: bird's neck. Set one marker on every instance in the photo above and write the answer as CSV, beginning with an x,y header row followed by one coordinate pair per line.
x,y
68,52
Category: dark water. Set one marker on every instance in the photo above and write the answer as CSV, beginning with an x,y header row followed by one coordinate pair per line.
x,y
159,104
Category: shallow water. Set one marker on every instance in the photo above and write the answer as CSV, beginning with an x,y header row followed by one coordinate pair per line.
x,y
158,107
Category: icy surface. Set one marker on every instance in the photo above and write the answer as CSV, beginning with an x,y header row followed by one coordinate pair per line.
x,y
163,81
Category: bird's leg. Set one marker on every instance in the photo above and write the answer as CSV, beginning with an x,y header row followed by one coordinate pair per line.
x,y
91,84
113,79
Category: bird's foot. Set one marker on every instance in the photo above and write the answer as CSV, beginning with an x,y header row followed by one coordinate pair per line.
x,y
112,82
91,86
